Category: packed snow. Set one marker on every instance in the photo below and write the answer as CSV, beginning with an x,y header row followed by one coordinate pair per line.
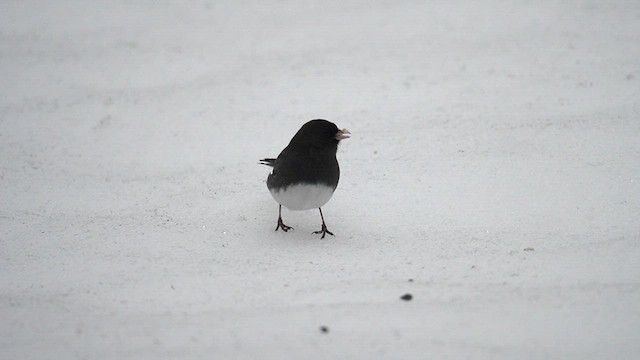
x,y
488,207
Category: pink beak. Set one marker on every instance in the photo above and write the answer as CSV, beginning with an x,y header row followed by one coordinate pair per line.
x,y
343,134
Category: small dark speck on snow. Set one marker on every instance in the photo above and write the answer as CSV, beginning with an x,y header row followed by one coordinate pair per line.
x,y
324,329
406,297
528,249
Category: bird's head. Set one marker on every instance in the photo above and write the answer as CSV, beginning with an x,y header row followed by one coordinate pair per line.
x,y
320,133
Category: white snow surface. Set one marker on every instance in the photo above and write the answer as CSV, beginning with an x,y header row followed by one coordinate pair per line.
x,y
493,173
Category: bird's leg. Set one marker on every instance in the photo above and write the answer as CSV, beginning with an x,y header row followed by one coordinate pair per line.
x,y
281,225
324,229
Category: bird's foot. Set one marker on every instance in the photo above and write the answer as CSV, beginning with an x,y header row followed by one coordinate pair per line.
x,y
282,226
324,231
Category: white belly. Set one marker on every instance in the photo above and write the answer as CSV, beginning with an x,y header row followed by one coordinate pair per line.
x,y
303,196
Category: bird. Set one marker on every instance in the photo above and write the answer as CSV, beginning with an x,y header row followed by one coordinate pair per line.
x,y
306,173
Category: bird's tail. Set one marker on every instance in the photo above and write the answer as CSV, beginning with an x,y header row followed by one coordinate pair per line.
x,y
268,162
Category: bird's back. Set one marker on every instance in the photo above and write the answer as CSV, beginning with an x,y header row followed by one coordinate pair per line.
x,y
305,164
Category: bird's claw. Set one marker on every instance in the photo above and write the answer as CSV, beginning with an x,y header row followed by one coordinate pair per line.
x,y
282,226
324,231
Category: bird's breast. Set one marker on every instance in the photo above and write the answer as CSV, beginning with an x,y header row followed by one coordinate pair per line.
x,y
302,196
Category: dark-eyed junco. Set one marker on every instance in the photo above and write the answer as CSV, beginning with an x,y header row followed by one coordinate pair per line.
x,y
306,172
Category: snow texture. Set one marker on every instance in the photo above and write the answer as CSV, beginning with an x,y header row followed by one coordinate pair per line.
x,y
493,176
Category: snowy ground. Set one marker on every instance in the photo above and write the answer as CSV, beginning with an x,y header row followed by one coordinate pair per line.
x,y
493,173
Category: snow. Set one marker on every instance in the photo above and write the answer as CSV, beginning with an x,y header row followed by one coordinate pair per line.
x,y
492,173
